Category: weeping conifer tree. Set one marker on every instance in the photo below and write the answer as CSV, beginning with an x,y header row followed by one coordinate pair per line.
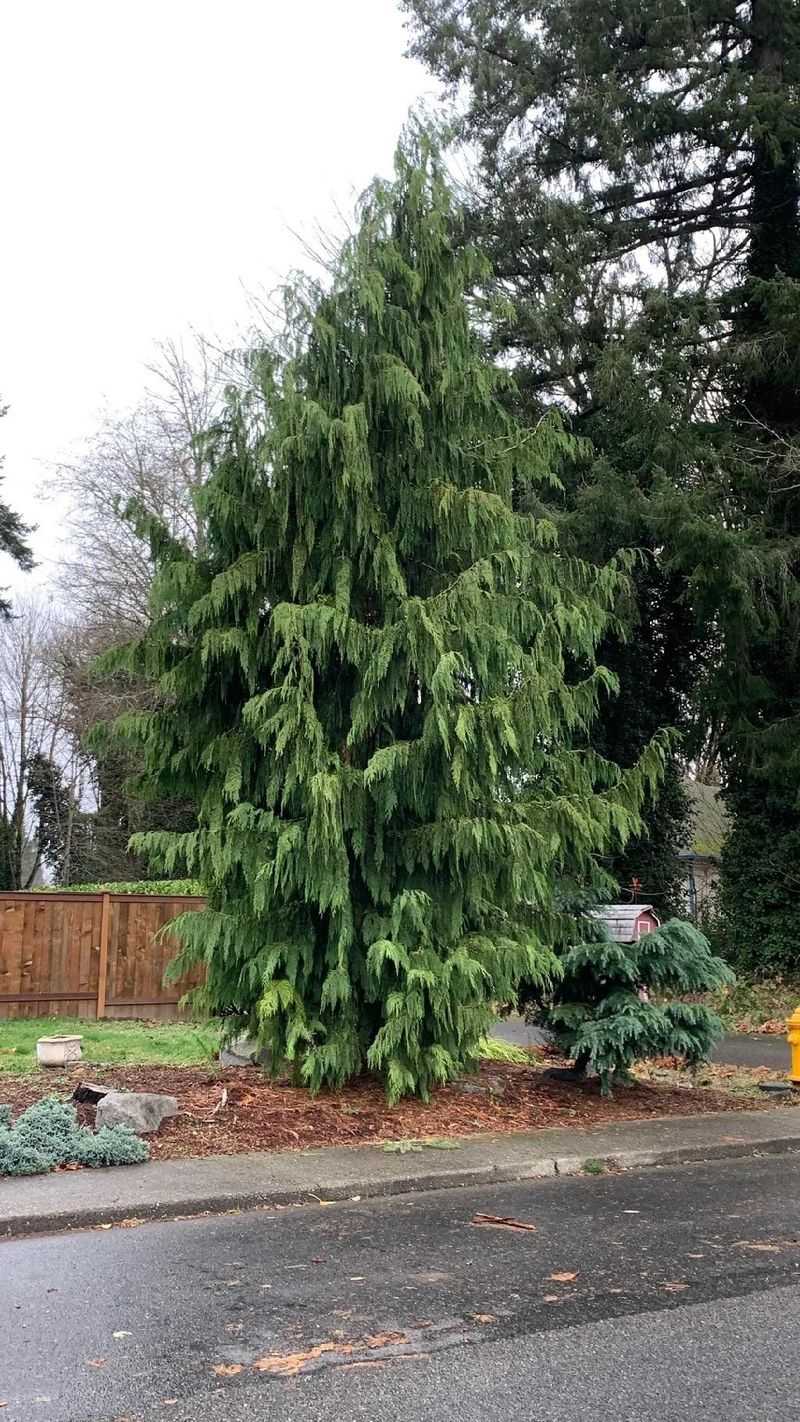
x,y
364,675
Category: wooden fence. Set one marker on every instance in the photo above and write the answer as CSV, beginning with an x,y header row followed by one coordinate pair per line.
x,y
89,955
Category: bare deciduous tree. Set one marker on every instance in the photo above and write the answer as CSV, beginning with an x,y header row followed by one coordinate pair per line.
x,y
151,457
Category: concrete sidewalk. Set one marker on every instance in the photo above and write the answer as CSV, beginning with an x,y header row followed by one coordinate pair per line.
x,y
170,1188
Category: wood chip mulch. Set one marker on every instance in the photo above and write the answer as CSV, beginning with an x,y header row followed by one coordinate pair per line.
x,y
260,1114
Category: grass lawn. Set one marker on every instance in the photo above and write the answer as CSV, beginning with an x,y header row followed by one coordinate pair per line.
x,y
139,1043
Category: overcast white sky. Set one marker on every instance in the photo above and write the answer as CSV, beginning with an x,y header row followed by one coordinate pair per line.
x,y
157,155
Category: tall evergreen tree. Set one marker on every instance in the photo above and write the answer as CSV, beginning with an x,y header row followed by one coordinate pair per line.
x,y
638,188
62,830
14,536
366,672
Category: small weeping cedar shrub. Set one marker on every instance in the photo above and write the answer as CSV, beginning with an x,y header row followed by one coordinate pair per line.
x,y
363,673
607,1011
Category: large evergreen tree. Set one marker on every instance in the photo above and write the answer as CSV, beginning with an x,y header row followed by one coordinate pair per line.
x,y
366,672
14,535
638,189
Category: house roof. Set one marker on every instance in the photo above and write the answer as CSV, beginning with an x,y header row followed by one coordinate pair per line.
x,y
711,821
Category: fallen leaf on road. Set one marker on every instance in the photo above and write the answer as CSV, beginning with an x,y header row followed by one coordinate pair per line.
x,y
695,1256
2,1403
169,1402
674,1288
502,1222
484,1318
122,1333
95,1362
552,1298
564,1277
105,1226
226,1370
287,1365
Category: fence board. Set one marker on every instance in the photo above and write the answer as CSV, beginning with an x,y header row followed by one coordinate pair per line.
x,y
50,955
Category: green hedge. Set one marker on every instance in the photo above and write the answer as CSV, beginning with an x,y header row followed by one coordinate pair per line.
x,y
176,887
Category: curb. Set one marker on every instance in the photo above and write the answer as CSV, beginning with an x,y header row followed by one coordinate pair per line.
x,y
236,1202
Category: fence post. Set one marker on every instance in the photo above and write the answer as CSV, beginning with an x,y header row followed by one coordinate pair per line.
x,y
102,969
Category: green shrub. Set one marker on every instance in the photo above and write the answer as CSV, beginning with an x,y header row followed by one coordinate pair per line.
x,y
48,1134
48,1127
111,1145
601,1014
494,1049
19,1159
5,1117
175,888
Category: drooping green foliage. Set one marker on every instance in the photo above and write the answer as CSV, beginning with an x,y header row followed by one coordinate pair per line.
x,y
638,190
48,1134
366,675
602,1014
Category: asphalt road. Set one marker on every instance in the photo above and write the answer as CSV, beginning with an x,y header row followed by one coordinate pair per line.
x,y
750,1049
679,1291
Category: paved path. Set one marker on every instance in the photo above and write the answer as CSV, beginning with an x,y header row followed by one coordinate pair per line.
x,y
740,1049
737,1048
664,1294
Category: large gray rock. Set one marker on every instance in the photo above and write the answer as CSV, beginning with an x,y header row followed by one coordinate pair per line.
x,y
244,1052
143,1111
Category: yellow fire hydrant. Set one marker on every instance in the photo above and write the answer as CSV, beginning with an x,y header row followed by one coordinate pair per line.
x,y
793,1038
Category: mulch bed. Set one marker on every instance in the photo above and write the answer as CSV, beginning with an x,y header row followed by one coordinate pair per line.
x,y
260,1114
